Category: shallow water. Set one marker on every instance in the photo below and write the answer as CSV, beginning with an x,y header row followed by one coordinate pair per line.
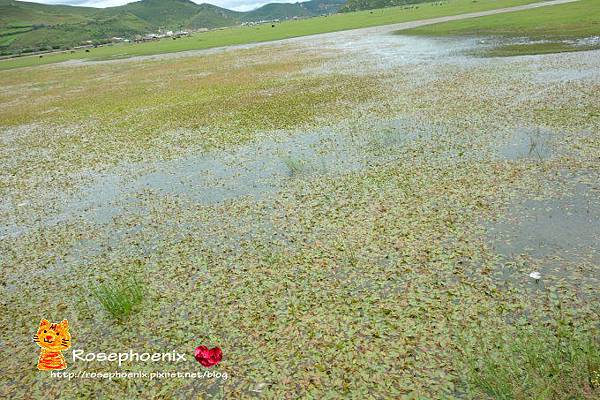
x,y
254,171
261,169
232,237
528,143
559,234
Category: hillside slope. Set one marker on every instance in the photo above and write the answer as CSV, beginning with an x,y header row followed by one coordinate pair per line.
x,y
289,10
173,14
26,13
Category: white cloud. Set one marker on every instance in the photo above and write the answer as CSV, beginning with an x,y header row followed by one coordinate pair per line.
x,y
238,5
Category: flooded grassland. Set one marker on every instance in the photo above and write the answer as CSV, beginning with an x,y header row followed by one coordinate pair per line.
x,y
344,215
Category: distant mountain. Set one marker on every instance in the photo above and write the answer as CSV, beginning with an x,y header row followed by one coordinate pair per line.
x,y
319,7
172,14
209,16
288,10
357,5
277,11
26,26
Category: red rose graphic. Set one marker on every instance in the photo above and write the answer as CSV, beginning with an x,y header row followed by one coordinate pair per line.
x,y
208,357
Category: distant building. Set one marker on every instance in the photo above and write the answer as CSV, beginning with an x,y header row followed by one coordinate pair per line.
x,y
150,37
261,22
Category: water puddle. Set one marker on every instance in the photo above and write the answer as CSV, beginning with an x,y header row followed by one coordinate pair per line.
x,y
382,51
527,143
251,171
558,236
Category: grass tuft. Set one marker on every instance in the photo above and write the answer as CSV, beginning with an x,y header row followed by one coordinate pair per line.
x,y
537,362
119,298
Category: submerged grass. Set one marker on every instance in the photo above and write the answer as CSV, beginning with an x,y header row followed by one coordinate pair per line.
x,y
294,165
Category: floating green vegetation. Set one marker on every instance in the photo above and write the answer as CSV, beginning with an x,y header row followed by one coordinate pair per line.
x,y
355,284
110,113
119,297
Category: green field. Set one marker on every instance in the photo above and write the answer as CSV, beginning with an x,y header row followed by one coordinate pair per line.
x,y
264,33
550,29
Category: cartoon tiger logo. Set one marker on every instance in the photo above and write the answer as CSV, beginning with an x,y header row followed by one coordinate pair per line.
x,y
53,339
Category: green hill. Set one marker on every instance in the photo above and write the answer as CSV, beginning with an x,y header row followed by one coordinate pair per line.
x,y
319,7
210,16
22,13
170,14
26,27
276,11
287,10
65,35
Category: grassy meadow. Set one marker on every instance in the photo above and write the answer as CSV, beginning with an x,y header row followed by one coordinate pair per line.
x,y
343,223
265,33
565,27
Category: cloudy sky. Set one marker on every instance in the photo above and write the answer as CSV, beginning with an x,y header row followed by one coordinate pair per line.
x,y
239,5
